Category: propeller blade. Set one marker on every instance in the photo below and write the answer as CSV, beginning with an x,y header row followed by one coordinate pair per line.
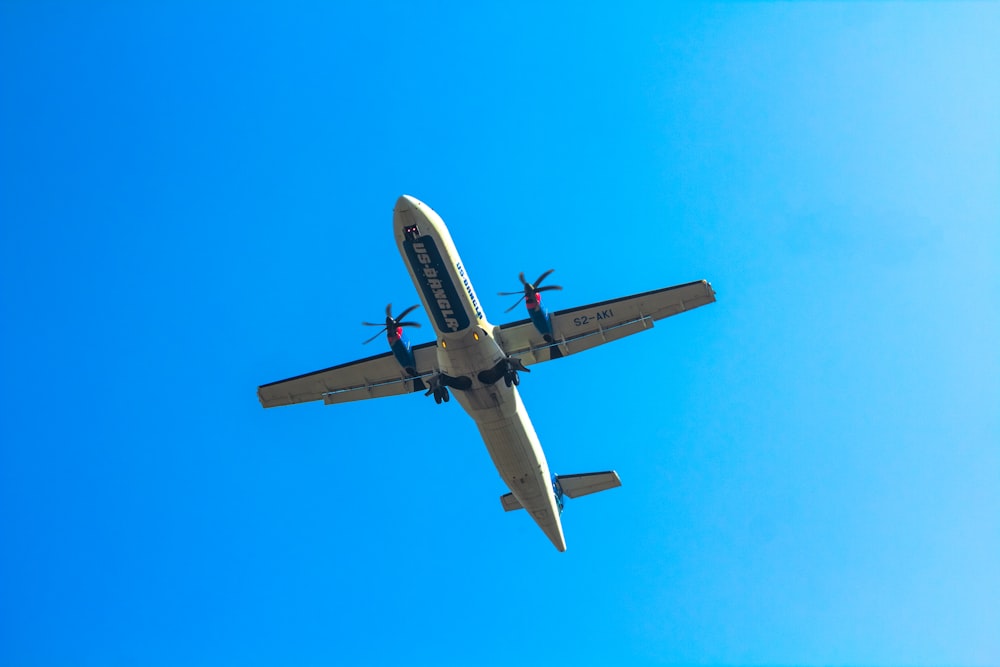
x,y
406,312
374,337
530,290
372,324
408,324
388,310
516,304
541,278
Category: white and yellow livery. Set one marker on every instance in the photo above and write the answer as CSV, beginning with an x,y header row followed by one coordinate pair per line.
x,y
478,362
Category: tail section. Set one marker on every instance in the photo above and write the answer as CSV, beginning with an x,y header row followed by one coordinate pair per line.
x,y
572,486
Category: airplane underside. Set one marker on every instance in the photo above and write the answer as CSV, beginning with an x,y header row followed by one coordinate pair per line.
x,y
483,380
516,453
480,364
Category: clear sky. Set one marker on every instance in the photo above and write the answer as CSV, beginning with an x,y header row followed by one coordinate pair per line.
x,y
196,198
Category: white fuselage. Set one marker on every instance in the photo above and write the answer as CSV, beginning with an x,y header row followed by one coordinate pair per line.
x,y
466,347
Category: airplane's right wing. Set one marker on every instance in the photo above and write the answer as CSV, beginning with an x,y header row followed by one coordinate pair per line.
x,y
579,329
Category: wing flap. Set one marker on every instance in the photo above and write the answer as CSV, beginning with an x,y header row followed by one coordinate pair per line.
x,y
403,385
604,335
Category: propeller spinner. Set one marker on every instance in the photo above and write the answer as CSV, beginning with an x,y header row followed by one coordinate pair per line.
x,y
392,323
531,290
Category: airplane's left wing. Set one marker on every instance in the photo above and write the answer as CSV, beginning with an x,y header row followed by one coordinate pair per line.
x,y
578,329
373,377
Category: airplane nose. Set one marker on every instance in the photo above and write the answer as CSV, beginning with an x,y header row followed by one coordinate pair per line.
x,y
407,203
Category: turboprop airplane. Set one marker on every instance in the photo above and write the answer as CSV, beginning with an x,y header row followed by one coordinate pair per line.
x,y
470,356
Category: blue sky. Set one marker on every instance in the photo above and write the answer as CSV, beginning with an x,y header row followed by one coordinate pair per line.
x,y
197,200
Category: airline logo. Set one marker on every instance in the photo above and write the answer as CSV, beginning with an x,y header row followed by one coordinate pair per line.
x,y
440,293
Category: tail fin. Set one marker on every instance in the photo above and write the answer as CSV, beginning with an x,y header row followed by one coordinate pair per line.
x,y
572,486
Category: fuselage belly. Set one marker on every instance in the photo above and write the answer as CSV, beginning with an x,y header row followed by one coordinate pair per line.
x,y
468,355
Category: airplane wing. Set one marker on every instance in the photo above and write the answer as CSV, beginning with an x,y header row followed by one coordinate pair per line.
x,y
579,329
373,377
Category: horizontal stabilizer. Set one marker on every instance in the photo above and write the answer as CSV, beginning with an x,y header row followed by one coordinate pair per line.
x,y
575,486
572,486
509,502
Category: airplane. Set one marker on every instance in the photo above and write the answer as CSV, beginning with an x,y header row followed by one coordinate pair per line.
x,y
480,363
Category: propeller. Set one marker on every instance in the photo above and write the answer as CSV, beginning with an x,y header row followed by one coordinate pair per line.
x,y
392,323
530,289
